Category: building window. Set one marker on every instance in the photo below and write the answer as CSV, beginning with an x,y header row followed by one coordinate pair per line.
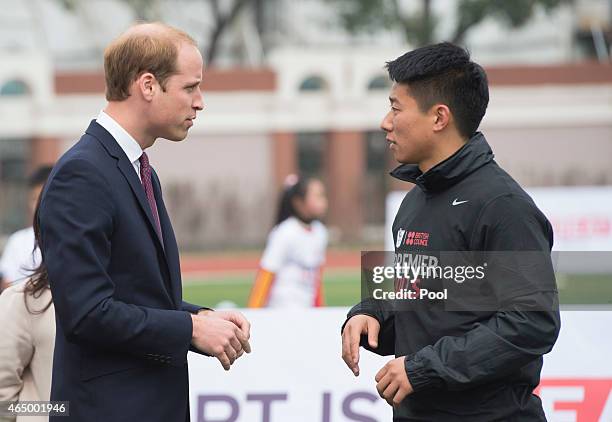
x,y
14,87
313,84
378,83
310,151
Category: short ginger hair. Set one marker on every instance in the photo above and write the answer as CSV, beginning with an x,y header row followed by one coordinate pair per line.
x,y
148,47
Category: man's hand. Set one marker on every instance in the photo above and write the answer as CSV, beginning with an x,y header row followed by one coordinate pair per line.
x,y
222,334
232,316
354,328
392,382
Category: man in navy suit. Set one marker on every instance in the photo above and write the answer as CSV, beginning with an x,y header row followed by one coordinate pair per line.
x,y
123,330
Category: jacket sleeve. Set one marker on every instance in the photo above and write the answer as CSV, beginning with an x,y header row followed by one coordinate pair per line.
x,y
16,344
386,319
76,217
191,308
527,323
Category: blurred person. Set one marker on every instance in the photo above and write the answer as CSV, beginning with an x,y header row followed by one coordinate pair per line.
x,y
469,365
27,339
123,330
291,265
20,257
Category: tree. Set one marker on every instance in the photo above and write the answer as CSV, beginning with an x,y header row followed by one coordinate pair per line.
x,y
222,22
418,27
223,18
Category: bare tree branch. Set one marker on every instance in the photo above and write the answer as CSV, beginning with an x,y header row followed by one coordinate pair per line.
x,y
214,5
419,27
220,26
397,9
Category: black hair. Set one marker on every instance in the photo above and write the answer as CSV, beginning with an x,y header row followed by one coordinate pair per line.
x,y
38,281
294,189
39,176
443,73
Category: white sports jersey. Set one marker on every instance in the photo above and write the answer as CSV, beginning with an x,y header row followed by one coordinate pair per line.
x,y
295,254
18,261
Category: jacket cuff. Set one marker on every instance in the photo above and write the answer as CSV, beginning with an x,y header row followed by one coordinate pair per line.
x,y
419,375
183,332
351,315
192,309
365,307
194,349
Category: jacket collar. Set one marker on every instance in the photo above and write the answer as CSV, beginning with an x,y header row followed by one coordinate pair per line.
x,y
128,144
474,154
125,166
106,139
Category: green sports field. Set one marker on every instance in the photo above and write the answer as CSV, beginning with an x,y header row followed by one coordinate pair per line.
x,y
342,288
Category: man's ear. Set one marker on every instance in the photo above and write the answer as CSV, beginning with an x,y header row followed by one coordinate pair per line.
x,y
146,85
441,117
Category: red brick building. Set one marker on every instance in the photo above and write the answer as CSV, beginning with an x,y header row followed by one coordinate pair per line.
x,y
310,114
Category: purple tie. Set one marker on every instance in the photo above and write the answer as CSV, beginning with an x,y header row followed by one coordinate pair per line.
x,y
145,174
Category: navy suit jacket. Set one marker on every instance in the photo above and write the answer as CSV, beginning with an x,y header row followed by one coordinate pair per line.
x,y
123,331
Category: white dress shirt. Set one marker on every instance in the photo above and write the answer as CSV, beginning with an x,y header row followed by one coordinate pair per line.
x,y
128,144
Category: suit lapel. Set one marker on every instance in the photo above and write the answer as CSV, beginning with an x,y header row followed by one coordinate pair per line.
x,y
171,247
130,174
126,168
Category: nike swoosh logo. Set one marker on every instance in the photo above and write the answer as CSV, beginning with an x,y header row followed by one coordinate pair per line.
x,y
455,202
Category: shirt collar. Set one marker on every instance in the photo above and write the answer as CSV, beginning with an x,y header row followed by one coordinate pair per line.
x,y
128,144
470,157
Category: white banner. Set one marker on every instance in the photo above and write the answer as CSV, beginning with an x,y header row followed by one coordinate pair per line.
x,y
296,373
581,216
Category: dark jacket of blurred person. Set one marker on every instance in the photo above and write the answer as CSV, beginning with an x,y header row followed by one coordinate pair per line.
x,y
20,256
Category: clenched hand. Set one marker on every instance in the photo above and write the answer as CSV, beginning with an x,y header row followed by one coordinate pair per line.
x,y
222,334
392,382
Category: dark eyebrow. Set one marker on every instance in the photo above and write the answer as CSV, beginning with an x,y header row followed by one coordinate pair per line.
x,y
392,100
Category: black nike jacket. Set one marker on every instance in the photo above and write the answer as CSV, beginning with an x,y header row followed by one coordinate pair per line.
x,y
470,364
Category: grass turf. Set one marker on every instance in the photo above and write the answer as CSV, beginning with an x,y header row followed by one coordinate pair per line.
x,y
342,288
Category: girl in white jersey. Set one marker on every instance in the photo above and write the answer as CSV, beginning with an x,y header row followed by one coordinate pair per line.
x,y
290,268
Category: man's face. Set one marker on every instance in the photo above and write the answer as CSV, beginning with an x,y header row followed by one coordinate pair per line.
x,y
409,130
172,112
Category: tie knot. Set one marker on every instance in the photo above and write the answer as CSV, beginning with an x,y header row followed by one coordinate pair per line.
x,y
144,160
